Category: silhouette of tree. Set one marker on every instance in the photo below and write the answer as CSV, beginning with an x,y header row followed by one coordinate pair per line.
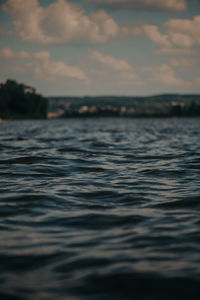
x,y
21,101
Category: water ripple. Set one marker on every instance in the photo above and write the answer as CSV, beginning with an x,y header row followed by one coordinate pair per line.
x,y
100,209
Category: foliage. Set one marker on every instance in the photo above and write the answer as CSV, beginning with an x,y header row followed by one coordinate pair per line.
x,y
18,101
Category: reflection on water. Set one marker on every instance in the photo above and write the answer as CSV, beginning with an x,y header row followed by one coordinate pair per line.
x,y
100,209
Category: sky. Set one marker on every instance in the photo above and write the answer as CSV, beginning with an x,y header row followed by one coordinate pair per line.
x,y
101,47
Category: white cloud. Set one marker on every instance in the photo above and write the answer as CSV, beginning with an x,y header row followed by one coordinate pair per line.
x,y
152,32
43,67
60,22
27,17
166,76
8,53
181,35
120,65
53,70
182,62
183,32
130,79
153,5
63,22
123,72
128,76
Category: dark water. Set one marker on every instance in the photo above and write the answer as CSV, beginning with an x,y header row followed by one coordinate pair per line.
x,y
100,209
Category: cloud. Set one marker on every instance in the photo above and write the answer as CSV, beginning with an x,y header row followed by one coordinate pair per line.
x,y
8,53
165,75
41,65
27,17
181,35
182,62
60,22
63,22
130,79
152,32
46,69
123,71
120,65
146,5
183,32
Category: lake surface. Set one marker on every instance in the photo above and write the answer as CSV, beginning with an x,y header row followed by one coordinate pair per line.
x,y
100,209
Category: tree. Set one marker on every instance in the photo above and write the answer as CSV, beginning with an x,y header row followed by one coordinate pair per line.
x,y
21,101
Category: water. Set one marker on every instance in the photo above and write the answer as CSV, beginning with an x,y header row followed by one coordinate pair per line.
x,y
100,209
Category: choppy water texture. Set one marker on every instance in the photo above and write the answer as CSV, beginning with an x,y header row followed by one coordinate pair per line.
x,y
100,209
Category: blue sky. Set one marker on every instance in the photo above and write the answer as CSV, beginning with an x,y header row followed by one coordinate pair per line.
x,y
101,47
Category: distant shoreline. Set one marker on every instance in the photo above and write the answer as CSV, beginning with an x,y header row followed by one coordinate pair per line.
x,y
137,107
21,102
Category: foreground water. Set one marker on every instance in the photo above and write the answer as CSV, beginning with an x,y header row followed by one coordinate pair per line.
x,y
100,209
